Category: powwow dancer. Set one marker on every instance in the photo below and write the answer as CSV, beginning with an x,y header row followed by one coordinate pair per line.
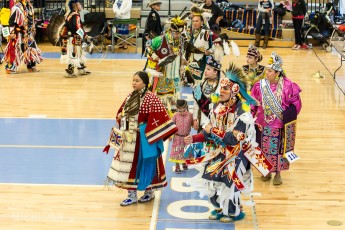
x,y
206,93
183,120
18,38
253,71
276,116
143,124
165,58
72,36
33,54
232,149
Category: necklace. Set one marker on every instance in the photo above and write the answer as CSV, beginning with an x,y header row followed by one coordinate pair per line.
x,y
209,88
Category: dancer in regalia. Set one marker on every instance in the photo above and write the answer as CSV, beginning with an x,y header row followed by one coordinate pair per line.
x,y
33,54
276,116
143,124
230,151
18,38
72,36
253,71
201,44
166,56
206,93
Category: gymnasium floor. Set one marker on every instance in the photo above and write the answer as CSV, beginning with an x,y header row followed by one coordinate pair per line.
x,y
53,169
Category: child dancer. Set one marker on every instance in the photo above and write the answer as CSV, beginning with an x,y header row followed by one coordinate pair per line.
x,y
183,120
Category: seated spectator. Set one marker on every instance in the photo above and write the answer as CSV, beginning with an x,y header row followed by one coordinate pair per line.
x,y
122,10
216,14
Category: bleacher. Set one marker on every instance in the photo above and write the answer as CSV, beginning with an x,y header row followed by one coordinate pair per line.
x,y
170,8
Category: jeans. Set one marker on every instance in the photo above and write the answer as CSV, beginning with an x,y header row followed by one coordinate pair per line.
x,y
259,23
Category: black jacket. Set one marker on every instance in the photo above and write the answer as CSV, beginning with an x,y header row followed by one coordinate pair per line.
x,y
153,27
299,8
153,24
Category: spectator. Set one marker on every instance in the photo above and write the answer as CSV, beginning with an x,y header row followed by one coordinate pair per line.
x,y
299,9
216,13
153,25
122,10
265,8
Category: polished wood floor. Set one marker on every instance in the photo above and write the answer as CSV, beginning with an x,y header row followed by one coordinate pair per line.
x,y
311,197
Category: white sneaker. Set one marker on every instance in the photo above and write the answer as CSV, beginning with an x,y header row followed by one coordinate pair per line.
x,y
297,47
129,201
148,195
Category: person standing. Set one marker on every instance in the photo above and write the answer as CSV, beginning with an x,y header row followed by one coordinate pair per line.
x,y
265,9
253,71
153,26
279,100
201,44
144,124
165,56
299,9
33,54
122,10
183,120
231,137
206,93
18,38
215,12
72,35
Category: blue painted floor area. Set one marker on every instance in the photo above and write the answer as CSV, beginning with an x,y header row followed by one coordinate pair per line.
x,y
54,166
55,132
54,151
169,197
105,55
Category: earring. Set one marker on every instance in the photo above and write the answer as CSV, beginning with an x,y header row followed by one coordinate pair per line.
x,y
277,77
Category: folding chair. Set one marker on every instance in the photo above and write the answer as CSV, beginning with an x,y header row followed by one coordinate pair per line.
x,y
125,38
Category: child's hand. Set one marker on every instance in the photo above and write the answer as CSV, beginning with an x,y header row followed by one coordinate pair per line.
x,y
188,139
208,128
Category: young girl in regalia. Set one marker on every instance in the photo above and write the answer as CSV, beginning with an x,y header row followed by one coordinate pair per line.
x,y
183,120
206,93
253,71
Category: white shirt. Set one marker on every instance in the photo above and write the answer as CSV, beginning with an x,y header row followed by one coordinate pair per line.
x,y
122,9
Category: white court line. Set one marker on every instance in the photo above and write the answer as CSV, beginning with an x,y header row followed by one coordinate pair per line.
x,y
105,59
85,77
53,185
155,208
51,146
37,116
30,218
57,118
